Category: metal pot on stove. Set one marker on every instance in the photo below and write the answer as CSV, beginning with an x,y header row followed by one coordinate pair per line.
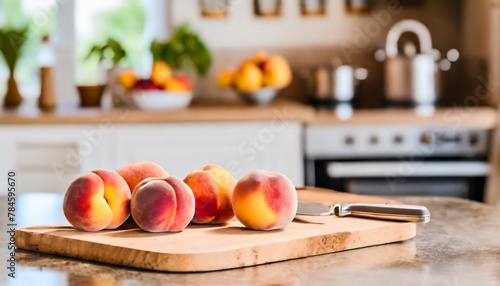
x,y
411,77
336,82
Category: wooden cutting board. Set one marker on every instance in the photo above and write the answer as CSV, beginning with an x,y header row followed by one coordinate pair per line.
x,y
207,248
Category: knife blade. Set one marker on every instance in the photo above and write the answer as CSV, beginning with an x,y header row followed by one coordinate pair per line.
x,y
408,213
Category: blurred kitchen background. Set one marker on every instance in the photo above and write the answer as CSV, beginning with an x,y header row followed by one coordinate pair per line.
x,y
351,36
375,83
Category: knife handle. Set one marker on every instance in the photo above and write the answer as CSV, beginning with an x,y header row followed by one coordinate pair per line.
x,y
410,213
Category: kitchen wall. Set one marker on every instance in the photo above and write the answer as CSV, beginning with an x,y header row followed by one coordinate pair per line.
x,y
311,41
495,47
476,43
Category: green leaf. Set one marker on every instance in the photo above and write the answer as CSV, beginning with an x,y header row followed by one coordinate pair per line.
x,y
11,43
112,45
183,51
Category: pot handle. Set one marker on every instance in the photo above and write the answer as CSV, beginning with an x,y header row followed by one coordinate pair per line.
x,y
419,29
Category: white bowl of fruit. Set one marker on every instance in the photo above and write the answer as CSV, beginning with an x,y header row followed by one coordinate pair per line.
x,y
162,90
259,79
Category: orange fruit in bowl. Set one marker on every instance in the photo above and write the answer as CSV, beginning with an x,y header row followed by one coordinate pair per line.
x,y
225,78
248,78
178,84
127,79
161,73
260,57
277,72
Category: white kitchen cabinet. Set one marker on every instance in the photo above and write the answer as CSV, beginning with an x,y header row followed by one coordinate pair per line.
x,y
238,147
47,158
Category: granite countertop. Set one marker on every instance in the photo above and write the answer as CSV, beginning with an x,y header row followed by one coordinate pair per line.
x,y
460,246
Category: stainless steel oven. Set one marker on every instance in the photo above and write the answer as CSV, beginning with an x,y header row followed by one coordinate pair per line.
x,y
398,160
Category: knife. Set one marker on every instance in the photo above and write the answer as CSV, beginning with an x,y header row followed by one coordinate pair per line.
x,y
408,213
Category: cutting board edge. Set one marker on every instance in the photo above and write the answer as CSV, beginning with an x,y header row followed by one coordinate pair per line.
x,y
26,239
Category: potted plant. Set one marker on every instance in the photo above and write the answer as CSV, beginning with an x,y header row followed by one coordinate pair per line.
x,y
183,52
111,53
11,43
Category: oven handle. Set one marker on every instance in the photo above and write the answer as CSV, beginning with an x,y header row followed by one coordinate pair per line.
x,y
407,169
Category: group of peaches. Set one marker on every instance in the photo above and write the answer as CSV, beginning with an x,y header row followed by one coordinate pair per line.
x,y
260,71
162,78
157,202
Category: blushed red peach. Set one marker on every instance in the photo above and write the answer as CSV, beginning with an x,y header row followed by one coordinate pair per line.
x,y
137,171
264,200
213,188
97,200
162,204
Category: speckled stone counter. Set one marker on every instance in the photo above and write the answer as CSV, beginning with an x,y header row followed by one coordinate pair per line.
x,y
460,246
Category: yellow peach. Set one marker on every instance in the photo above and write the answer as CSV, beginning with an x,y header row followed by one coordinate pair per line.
x,y
225,78
277,72
264,200
97,200
259,57
248,78
161,73
177,84
128,79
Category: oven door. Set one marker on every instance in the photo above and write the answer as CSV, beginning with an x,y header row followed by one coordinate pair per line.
x,y
464,179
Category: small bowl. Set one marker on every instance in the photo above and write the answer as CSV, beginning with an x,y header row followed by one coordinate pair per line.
x,y
161,99
262,96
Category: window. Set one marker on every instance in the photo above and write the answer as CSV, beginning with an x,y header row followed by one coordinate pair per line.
x,y
39,15
121,20
76,26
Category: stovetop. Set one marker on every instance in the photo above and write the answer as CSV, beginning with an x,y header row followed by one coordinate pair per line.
x,y
348,133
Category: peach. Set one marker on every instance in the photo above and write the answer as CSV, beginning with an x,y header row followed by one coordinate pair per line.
x,y
248,78
128,79
97,200
260,57
178,84
264,200
162,204
212,187
137,171
185,80
160,73
225,78
277,72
